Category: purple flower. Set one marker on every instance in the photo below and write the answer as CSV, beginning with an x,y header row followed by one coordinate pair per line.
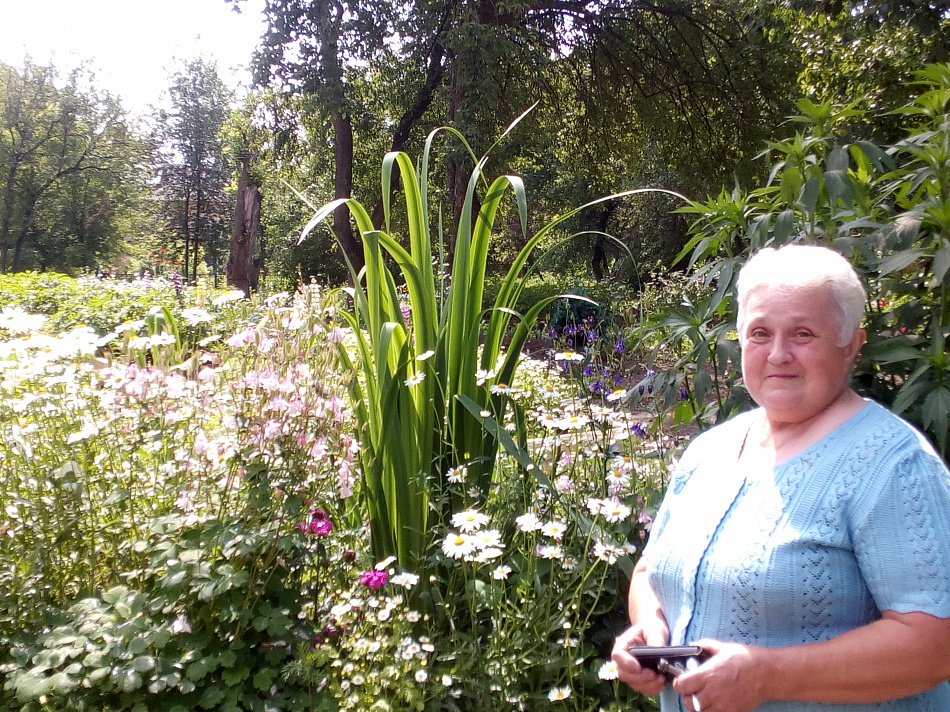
x,y
683,394
618,378
321,527
588,370
318,514
374,579
596,387
592,336
639,429
620,345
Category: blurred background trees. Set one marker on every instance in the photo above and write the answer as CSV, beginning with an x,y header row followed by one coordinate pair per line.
x,y
679,94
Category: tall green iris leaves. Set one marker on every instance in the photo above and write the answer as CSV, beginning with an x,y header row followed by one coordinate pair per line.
x,y
417,403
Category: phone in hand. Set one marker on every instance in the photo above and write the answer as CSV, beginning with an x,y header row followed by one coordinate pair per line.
x,y
669,660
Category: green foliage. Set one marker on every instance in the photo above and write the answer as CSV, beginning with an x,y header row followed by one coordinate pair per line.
x,y
883,207
69,303
152,554
420,408
72,172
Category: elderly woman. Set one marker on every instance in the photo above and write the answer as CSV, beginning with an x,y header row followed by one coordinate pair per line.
x,y
804,545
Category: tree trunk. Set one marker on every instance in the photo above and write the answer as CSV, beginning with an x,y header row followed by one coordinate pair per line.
x,y
6,217
351,248
243,268
186,216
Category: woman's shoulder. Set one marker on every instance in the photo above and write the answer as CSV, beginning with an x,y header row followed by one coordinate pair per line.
x,y
879,432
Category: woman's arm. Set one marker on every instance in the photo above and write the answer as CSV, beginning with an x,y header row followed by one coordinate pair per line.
x,y
898,655
648,627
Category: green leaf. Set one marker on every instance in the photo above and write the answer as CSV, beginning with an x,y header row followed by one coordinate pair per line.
x,y
143,663
129,680
941,264
199,668
935,409
114,595
899,260
265,678
235,676
784,224
810,195
211,696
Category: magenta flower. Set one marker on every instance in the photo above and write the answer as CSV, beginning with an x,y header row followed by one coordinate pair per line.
x,y
374,579
321,527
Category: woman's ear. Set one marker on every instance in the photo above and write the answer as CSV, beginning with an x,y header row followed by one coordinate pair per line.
x,y
858,339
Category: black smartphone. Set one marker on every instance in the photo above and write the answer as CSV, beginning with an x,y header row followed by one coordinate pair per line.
x,y
673,657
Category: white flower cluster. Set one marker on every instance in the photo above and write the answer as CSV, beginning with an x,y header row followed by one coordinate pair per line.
x,y
471,542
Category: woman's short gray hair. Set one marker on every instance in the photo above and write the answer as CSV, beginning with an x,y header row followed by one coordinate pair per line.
x,y
805,267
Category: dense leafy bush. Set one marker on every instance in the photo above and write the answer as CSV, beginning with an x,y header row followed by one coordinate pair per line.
x,y
884,207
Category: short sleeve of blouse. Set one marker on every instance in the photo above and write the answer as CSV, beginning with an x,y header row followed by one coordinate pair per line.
x,y
901,532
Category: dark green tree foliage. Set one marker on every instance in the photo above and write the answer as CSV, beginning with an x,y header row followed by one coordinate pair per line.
x,y
867,51
608,75
69,168
195,169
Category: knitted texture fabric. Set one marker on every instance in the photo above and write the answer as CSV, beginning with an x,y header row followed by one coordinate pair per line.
x,y
817,545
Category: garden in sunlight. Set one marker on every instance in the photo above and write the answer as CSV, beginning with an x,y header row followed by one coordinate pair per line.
x,y
425,490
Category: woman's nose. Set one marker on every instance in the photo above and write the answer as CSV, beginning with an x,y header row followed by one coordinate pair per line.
x,y
779,351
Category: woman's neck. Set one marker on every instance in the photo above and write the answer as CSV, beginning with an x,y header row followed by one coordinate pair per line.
x,y
785,439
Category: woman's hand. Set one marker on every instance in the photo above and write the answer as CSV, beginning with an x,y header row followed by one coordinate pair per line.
x,y
734,679
650,632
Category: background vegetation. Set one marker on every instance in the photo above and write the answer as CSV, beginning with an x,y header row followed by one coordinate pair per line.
x,y
681,96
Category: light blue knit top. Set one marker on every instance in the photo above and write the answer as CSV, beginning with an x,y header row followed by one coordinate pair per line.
x,y
855,524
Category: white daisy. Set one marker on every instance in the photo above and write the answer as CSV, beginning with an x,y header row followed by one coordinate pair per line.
x,y
457,546
559,693
528,522
415,379
481,375
608,671
615,511
555,530
489,538
501,572
406,580
471,520
456,475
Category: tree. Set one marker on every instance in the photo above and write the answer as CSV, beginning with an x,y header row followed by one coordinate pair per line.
x,y
682,72
243,262
195,169
69,163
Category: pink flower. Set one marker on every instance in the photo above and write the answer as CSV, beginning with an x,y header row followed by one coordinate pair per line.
x,y
374,579
271,429
322,527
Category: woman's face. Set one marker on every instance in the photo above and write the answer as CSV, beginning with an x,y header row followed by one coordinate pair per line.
x,y
791,361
